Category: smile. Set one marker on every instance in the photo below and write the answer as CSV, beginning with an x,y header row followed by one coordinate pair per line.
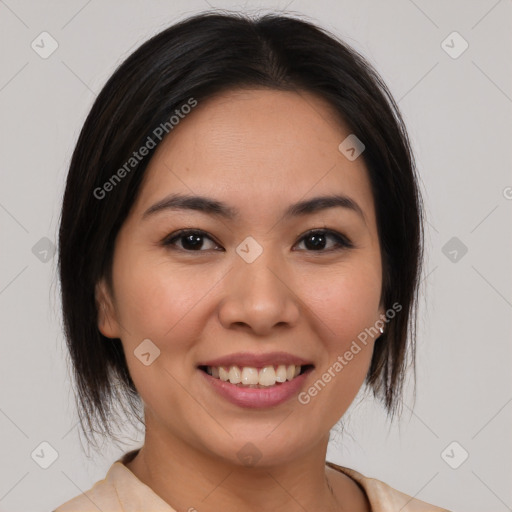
x,y
256,396
248,376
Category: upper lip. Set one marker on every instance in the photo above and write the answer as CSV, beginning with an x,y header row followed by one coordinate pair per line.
x,y
256,360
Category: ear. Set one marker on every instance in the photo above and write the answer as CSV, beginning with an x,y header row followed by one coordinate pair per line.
x,y
107,317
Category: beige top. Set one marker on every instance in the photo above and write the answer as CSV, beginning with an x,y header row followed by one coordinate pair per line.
x,y
122,491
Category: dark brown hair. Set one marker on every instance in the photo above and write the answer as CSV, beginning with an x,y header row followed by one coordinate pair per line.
x,y
199,57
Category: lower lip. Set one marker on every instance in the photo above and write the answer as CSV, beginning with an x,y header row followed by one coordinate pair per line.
x,y
256,398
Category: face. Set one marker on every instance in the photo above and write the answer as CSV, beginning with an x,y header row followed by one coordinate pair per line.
x,y
306,284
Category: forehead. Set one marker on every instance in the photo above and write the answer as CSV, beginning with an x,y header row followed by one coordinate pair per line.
x,y
257,150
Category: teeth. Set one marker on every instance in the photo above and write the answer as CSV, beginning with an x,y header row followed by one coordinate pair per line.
x,y
267,376
234,375
281,373
249,376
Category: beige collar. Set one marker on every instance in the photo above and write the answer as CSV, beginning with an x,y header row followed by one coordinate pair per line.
x,y
122,491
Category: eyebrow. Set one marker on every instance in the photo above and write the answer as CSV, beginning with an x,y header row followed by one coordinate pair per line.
x,y
219,209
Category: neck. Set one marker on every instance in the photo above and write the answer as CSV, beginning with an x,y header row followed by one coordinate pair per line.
x,y
190,478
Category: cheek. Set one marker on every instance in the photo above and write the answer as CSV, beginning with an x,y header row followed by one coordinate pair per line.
x,y
346,301
342,306
158,303
157,300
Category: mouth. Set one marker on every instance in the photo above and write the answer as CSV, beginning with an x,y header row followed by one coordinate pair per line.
x,y
252,377
256,388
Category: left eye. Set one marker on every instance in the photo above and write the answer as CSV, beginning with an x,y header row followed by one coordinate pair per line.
x,y
315,240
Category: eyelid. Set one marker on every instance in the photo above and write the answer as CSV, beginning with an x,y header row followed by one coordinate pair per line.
x,y
342,239
343,242
176,235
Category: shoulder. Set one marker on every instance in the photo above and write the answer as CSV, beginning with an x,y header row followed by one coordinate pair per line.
x,y
119,491
383,498
101,496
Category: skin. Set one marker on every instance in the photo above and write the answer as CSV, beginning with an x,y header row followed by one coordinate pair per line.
x,y
259,151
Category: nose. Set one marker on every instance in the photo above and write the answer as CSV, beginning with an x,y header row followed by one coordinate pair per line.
x,y
259,296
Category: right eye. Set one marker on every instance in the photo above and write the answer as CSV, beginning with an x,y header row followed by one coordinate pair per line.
x,y
191,240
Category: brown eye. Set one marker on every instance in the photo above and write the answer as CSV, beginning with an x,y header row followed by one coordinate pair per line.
x,y
191,240
317,240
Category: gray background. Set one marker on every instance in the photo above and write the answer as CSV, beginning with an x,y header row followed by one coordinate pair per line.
x,y
458,111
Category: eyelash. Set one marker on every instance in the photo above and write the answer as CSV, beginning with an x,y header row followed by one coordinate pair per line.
x,y
342,241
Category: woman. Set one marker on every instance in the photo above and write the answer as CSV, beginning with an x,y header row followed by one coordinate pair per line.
x,y
240,246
